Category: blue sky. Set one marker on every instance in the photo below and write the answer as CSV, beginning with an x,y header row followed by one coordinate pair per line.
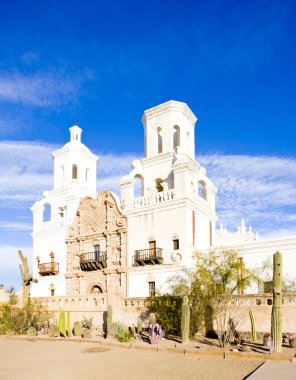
x,y
105,62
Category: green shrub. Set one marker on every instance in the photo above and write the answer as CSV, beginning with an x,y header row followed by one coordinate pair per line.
x,y
19,320
123,334
167,309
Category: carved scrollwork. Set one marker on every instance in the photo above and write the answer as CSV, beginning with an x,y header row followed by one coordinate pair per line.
x,y
176,257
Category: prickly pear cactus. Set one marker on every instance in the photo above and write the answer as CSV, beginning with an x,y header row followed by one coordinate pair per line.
x,y
254,335
155,333
26,277
185,320
276,316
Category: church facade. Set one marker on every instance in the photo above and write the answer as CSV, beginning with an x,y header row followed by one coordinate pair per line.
x,y
125,248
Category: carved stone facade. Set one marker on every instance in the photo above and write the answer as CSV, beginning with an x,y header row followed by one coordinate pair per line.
x,y
97,249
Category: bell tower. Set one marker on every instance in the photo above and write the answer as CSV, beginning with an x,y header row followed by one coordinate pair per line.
x,y
74,178
169,127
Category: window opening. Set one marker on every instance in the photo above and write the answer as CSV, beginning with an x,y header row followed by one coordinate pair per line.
x,y
96,290
176,136
97,252
176,244
151,289
47,212
159,186
74,172
159,140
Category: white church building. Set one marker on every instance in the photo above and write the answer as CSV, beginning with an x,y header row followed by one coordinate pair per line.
x,y
93,243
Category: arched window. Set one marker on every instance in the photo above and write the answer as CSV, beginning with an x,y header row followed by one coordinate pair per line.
x,y
176,136
158,184
87,175
62,174
46,212
202,190
96,290
159,140
74,172
188,142
138,186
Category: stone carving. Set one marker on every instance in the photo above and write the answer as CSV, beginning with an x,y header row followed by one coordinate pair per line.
x,y
176,257
99,222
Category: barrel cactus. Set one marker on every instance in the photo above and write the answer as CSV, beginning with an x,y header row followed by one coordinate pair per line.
x,y
77,329
31,331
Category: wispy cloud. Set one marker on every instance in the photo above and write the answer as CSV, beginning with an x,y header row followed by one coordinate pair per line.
x,y
262,190
42,89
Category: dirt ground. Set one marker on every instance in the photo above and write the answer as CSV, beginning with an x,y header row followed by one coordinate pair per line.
x,y
30,359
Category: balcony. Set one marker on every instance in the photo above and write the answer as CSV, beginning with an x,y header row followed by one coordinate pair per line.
x,y
48,269
150,256
90,261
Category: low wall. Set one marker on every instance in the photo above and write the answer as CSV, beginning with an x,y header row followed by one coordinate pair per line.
x,y
261,306
134,308
79,306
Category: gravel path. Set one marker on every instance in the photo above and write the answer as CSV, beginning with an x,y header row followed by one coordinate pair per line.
x,y
62,360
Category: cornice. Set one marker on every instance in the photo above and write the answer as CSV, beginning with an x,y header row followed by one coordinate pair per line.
x,y
171,105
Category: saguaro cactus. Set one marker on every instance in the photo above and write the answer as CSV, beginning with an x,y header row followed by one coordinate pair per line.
x,y
254,335
26,276
185,320
109,320
276,316
68,329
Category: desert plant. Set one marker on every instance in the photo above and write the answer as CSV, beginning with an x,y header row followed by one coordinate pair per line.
x,y
32,331
139,326
86,333
68,329
123,334
166,309
276,315
55,331
111,327
77,329
155,333
26,277
152,319
292,342
254,337
18,320
87,323
62,323
185,320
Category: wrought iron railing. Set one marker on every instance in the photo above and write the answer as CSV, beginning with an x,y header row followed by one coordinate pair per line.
x,y
93,260
93,256
48,269
152,255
